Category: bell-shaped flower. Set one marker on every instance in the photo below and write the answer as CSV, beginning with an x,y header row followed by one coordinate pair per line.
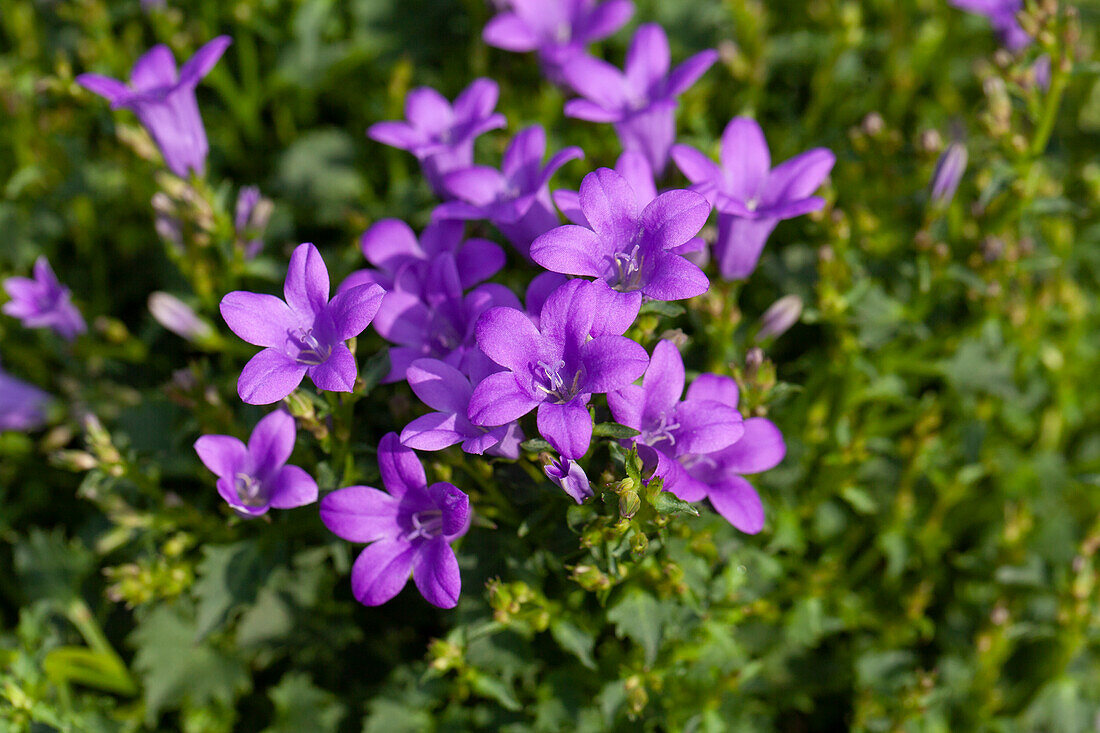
x,y
409,528
303,334
629,248
164,101
43,302
22,407
516,198
439,134
556,29
447,390
751,197
1002,16
555,367
255,478
641,100
672,428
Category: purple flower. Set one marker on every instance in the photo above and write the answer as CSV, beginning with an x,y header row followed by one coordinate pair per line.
x,y
640,101
779,317
165,102
948,173
672,429
402,262
750,197
22,407
442,136
718,475
409,530
557,29
438,320
570,477
255,478
1002,16
516,199
43,302
629,247
555,367
303,334
252,213
448,391
178,317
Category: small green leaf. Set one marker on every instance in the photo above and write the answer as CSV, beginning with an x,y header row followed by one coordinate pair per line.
x,y
536,445
494,689
301,705
87,667
638,616
613,430
667,503
662,308
575,640
374,370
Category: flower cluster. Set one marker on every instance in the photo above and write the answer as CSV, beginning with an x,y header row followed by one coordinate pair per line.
x,y
479,359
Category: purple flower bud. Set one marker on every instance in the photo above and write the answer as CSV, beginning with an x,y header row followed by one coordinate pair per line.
x,y
178,317
777,319
949,171
251,217
570,477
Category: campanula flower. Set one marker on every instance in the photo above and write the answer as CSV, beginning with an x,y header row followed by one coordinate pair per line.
x,y
22,407
164,101
750,196
948,173
437,321
626,246
719,475
440,135
447,390
401,261
1002,16
43,302
555,367
409,529
255,478
303,334
556,29
179,318
672,428
253,211
641,100
516,198
570,478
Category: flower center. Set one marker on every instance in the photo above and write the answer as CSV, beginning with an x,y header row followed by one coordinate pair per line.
x,y
628,270
691,460
563,33
427,525
249,491
661,431
752,203
549,380
310,351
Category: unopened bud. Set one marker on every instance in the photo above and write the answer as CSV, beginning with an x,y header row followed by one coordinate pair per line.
x,y
178,317
778,318
629,504
753,361
948,173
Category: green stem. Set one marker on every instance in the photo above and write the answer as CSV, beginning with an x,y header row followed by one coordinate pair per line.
x,y
1058,82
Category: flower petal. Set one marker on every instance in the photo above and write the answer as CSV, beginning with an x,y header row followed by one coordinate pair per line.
x,y
572,250
674,217
381,571
611,207
427,109
568,427
523,156
597,81
395,134
306,286
434,431
400,468
271,442
647,59
268,377
360,514
615,312
612,362
508,337
435,572
740,243
509,32
714,387
663,382
688,72
292,487
478,184
477,260
204,59
737,501
353,309
799,177
337,373
439,385
675,278
222,454
745,157
259,319
455,506
604,19
110,89
626,405
476,101
500,399
389,243
695,166
761,448
584,109
705,426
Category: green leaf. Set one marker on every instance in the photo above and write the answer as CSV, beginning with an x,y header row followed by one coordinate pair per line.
x,y
228,575
663,308
638,616
613,430
374,369
494,689
84,666
536,445
302,706
51,567
574,640
668,503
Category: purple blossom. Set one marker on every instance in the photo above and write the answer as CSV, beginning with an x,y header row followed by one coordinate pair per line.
x,y
22,407
555,367
1002,16
673,429
556,29
440,135
437,321
178,317
165,102
779,317
305,333
401,262
751,197
570,477
641,100
628,247
516,199
948,174
409,530
43,302
255,478
447,390
718,475
252,214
